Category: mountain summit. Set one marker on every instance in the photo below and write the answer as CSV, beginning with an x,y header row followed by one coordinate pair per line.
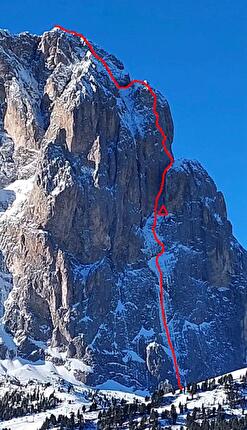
x,y
81,164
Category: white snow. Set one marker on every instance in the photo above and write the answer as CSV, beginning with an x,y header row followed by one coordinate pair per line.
x,y
16,194
41,371
71,403
112,389
183,164
132,119
121,391
133,356
144,333
120,307
6,339
218,218
196,327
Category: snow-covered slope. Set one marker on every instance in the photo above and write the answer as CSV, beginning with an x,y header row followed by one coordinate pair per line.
x,y
221,401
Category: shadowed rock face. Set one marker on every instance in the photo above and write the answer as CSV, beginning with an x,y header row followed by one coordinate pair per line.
x,y
80,167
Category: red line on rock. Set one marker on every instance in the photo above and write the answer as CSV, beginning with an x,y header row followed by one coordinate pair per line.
x,y
157,212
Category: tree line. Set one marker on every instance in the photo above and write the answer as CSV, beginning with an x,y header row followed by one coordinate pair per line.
x,y
18,403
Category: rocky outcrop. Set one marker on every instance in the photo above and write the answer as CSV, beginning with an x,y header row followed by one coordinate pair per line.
x,y
81,164
207,280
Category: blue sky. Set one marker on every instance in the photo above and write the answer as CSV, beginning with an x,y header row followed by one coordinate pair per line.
x,y
194,51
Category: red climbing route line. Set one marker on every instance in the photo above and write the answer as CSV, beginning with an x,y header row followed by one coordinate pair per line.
x,y
157,212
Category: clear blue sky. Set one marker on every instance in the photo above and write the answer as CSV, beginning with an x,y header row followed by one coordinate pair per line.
x,y
194,51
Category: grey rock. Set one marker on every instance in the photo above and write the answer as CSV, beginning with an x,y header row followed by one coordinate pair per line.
x,y
80,166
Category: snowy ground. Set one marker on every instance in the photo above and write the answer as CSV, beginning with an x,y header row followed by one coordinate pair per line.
x,y
71,403
81,395
30,375
208,398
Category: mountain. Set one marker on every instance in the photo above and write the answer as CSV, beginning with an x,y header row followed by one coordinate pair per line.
x,y
81,164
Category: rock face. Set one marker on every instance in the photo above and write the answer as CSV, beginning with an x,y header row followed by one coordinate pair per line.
x,y
81,164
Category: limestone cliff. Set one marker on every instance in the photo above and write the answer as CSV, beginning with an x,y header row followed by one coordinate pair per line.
x,y
81,164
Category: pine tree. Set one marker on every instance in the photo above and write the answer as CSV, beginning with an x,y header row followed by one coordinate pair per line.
x,y
174,414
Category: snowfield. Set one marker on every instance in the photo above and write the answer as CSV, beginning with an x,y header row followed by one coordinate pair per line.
x,y
74,395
